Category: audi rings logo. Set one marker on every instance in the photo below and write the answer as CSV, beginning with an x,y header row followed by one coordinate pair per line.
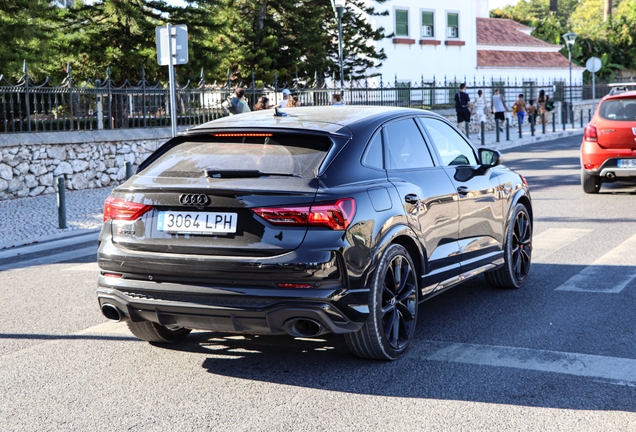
x,y
194,199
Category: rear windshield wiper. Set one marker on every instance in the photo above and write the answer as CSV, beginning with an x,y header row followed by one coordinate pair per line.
x,y
214,173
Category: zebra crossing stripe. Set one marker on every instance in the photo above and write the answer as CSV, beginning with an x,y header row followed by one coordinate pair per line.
x,y
553,239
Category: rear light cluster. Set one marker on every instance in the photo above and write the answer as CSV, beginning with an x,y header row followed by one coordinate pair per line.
x,y
119,209
242,135
591,134
336,215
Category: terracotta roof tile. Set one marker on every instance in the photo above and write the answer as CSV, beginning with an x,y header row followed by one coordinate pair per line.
x,y
505,32
521,59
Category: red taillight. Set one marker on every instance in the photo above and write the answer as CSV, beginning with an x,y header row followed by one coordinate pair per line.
x,y
242,135
113,275
337,215
590,133
525,182
589,166
118,209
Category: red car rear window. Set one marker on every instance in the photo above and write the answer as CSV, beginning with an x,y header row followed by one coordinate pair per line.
x,y
619,109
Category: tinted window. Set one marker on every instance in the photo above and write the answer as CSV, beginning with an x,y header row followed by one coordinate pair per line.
x,y
453,149
619,109
406,148
373,156
299,155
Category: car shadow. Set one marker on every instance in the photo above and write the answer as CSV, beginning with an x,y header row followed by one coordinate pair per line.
x,y
535,318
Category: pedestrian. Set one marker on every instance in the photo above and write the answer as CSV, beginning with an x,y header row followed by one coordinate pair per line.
x,y
541,106
499,108
532,113
262,104
479,107
336,99
237,104
462,105
285,101
519,108
296,101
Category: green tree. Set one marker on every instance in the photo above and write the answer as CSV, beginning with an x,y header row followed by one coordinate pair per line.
x,y
27,28
121,34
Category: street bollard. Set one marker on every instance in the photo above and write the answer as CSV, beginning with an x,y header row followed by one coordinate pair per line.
x,y
581,118
129,170
589,115
543,122
520,131
572,117
553,122
497,129
507,129
61,203
532,125
467,130
564,119
483,134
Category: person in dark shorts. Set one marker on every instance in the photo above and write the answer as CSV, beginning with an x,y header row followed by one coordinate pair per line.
x,y
462,105
498,107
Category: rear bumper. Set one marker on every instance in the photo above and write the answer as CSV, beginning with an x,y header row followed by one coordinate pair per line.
x,y
602,162
239,310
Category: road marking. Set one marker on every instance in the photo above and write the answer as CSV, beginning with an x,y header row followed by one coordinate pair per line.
x,y
51,259
39,247
619,370
611,273
554,239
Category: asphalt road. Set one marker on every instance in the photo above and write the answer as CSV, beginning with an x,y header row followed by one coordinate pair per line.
x,y
558,354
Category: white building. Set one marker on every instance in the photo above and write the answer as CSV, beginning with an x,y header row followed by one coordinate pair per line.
x,y
456,41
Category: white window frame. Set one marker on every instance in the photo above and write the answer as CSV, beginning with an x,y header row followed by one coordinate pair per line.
x,y
448,28
408,21
423,35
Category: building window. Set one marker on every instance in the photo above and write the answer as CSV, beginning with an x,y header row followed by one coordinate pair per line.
x,y
453,25
401,22
428,24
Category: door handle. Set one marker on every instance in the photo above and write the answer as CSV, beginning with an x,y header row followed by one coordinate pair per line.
x,y
411,199
463,190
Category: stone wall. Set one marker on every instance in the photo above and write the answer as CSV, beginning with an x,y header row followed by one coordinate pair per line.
x,y
30,163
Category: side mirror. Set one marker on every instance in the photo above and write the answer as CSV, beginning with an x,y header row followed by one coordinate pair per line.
x,y
489,158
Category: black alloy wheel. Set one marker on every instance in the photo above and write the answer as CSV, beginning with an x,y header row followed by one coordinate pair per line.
x,y
393,307
517,252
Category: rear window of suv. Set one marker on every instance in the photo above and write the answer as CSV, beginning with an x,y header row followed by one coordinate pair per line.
x,y
619,109
295,155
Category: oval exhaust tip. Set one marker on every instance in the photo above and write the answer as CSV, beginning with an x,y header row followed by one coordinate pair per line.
x,y
111,312
303,327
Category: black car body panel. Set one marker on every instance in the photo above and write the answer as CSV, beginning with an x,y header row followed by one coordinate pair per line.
x,y
451,219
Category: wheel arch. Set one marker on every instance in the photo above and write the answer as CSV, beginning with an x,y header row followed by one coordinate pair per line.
x,y
405,237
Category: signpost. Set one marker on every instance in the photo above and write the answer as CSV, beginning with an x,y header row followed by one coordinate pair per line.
x,y
593,64
172,49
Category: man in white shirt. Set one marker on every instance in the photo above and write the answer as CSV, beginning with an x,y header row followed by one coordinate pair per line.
x,y
283,103
498,107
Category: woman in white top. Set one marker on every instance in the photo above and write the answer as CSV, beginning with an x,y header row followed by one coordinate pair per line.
x,y
479,107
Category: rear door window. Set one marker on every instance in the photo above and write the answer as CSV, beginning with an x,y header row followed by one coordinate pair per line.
x,y
406,148
295,155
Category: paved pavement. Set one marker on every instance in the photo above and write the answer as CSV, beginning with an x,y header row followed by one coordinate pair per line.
x,y
25,221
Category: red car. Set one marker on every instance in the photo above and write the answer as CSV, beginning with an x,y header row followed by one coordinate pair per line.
x,y
608,151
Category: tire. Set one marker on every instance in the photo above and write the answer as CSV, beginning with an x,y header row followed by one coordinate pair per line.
x,y
153,332
517,252
591,183
387,332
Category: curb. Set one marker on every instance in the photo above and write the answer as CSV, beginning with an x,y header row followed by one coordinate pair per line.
x,y
49,238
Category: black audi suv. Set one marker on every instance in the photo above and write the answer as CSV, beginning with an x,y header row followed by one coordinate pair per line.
x,y
314,220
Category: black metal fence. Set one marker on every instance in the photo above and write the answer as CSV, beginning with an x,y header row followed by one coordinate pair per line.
x,y
101,104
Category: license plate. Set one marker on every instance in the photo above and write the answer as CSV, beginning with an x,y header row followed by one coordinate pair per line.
x,y
626,163
197,222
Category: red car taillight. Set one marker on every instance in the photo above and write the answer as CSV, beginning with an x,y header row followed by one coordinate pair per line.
x,y
337,215
119,209
590,133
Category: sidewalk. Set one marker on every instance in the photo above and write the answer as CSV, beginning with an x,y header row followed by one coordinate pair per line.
x,y
34,219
